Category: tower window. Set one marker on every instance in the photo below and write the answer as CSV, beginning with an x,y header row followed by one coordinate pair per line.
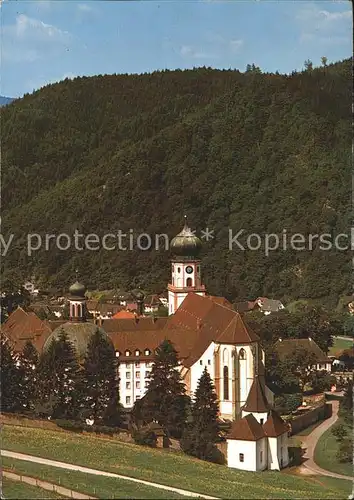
x,y
189,282
226,383
242,354
178,269
262,421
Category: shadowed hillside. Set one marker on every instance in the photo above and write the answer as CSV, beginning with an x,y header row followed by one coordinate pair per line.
x,y
259,152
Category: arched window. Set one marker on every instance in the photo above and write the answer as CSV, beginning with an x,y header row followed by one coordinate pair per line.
x,y
189,281
242,354
226,383
225,357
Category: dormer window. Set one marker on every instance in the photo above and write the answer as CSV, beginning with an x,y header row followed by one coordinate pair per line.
x,y
147,352
128,353
117,354
137,352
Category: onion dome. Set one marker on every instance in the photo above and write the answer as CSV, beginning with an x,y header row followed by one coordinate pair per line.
x,y
186,243
77,290
138,294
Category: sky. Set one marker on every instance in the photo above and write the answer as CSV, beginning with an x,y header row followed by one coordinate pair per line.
x,y
45,41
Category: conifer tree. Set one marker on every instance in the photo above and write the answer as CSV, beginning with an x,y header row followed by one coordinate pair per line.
x,y
202,432
166,401
59,376
10,376
99,394
28,365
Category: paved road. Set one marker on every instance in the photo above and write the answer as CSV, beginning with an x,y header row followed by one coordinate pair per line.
x,y
343,338
87,470
309,442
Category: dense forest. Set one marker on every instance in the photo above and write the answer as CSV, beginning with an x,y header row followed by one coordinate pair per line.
x,y
253,151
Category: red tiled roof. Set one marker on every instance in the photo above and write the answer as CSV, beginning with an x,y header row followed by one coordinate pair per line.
x,y
256,400
275,425
246,429
286,347
22,326
123,315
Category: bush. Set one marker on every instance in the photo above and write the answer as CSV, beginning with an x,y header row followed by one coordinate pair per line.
x,y
345,452
295,455
287,403
339,432
145,437
70,425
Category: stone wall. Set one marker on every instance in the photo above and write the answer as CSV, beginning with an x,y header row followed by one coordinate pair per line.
x,y
301,422
32,481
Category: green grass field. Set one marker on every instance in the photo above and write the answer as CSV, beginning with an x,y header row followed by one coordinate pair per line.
x,y
339,345
169,468
97,486
325,455
18,491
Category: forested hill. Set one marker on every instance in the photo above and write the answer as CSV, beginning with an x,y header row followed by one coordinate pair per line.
x,y
252,151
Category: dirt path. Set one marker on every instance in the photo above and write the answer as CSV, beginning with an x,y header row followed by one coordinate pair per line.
x,y
87,470
309,442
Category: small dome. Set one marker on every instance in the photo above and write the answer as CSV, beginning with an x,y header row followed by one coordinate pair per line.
x,y
79,334
77,289
186,244
139,295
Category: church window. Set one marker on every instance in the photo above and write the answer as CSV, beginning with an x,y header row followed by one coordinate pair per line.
x,y
226,383
242,354
189,281
178,269
127,400
242,457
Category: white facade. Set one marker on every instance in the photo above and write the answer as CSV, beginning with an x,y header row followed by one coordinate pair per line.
x,y
185,278
278,455
265,453
247,455
133,380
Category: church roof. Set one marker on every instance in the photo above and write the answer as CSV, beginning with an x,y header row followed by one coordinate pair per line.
x,y
79,334
246,429
275,425
197,323
256,400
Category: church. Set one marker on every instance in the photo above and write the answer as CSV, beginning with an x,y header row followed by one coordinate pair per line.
x,y
206,332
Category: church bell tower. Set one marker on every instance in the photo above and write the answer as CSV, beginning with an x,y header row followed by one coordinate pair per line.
x,y
186,268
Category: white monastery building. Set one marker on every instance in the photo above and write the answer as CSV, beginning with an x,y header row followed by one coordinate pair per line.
x,y
206,332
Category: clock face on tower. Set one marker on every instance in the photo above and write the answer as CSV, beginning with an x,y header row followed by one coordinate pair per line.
x,y
189,269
